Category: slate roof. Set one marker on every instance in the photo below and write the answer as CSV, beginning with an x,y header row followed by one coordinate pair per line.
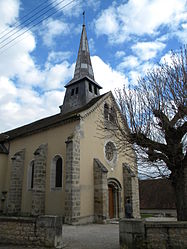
x,y
156,194
47,123
73,81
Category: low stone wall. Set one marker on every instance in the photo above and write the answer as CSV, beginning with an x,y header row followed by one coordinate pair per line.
x,y
41,231
141,234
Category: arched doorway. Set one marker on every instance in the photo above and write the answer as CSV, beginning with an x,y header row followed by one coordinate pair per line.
x,y
114,198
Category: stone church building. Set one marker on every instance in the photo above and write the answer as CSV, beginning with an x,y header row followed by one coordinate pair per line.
x,y
64,164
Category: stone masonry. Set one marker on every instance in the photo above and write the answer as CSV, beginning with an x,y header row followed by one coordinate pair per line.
x,y
100,192
44,231
131,189
39,181
72,182
141,234
16,181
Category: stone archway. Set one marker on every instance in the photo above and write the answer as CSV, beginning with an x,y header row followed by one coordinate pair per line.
x,y
114,198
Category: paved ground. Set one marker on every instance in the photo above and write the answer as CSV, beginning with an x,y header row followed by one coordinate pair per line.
x,y
91,236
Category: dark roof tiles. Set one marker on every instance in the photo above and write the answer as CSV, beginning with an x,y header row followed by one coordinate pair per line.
x,y
46,123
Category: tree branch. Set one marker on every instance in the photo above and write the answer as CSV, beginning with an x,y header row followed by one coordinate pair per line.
x,y
182,111
154,156
182,130
145,142
163,118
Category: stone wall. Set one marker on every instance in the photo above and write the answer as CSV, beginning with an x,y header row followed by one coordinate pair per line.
x,y
140,234
135,197
39,181
100,192
72,182
131,189
16,181
42,231
164,235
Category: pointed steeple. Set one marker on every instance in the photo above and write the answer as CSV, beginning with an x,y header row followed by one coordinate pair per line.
x,y
83,64
83,67
83,87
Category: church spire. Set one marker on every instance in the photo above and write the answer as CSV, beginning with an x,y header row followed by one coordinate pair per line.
x,y
83,64
83,87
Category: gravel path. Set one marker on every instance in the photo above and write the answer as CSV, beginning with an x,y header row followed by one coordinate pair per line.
x,y
92,236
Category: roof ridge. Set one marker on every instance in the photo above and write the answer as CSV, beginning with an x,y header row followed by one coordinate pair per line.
x,y
48,122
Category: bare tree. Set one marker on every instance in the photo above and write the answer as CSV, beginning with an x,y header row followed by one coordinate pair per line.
x,y
155,112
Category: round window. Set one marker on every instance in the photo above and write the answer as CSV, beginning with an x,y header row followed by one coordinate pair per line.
x,y
110,151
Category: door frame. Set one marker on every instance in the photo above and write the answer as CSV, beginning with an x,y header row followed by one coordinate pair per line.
x,y
115,185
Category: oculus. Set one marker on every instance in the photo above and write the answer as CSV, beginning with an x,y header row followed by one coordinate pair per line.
x,y
110,151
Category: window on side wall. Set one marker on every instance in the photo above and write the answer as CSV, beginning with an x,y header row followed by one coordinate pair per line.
x,y
95,90
77,90
56,173
106,111
72,91
30,177
58,178
112,115
90,87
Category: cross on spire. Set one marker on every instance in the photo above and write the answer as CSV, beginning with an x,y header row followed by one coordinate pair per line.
x,y
83,15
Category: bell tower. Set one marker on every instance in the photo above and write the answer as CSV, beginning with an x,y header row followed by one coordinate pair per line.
x,y
83,87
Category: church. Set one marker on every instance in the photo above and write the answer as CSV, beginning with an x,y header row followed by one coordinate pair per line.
x,y
68,164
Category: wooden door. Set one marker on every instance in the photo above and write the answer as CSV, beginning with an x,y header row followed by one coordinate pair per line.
x,y
111,202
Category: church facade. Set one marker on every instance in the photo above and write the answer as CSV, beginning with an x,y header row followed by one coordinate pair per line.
x,y
65,164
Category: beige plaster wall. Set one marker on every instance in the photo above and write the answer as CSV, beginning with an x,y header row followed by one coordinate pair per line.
x,y
55,138
92,145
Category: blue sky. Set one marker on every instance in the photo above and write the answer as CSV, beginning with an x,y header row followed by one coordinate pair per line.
x,y
126,38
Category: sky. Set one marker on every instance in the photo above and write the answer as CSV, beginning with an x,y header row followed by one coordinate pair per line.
x,y
126,38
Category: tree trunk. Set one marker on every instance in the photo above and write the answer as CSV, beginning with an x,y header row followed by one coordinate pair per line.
x,y
179,182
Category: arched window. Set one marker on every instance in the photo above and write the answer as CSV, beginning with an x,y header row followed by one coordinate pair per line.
x,y
106,111
58,180
30,176
56,173
112,115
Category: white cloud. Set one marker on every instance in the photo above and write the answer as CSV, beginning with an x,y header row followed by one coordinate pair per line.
x,y
91,46
107,77
9,11
16,58
148,50
76,7
166,59
128,62
51,29
19,106
182,33
94,4
58,75
52,100
20,103
67,7
119,54
134,76
107,23
7,90
139,18
59,56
